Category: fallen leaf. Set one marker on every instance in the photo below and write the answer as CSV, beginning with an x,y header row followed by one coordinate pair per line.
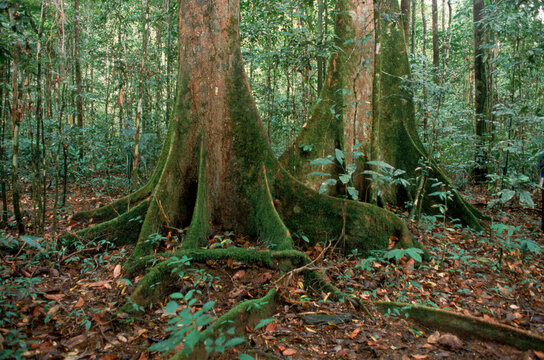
x,y
420,356
55,297
289,352
354,333
103,283
117,271
80,303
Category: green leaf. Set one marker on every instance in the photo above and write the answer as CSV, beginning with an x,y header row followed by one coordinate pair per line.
x,y
414,253
235,341
339,156
171,307
353,192
318,173
344,178
380,164
350,169
245,357
330,182
526,198
176,295
507,195
322,161
31,240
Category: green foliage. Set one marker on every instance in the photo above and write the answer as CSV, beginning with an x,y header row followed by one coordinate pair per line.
x,y
345,175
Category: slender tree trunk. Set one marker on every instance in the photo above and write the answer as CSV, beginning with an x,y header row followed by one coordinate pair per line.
x,y
79,98
4,69
436,49
16,117
320,63
481,93
424,65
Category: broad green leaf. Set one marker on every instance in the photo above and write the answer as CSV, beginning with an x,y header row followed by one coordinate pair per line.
x,y
526,198
350,169
171,307
322,161
339,156
235,341
31,240
344,178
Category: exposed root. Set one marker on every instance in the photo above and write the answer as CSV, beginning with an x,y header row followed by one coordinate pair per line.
x,y
466,325
121,230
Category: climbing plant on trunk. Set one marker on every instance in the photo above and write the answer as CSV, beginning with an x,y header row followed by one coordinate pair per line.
x,y
365,100
217,172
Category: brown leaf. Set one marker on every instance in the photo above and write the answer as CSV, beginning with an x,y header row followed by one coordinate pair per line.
x,y
450,340
103,284
420,356
117,271
354,333
289,352
80,303
539,354
55,297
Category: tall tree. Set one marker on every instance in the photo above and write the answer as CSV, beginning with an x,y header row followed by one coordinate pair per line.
x,y
436,49
387,127
216,153
481,93
79,98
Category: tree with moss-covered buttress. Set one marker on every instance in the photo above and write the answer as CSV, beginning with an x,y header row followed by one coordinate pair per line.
x,y
366,108
217,172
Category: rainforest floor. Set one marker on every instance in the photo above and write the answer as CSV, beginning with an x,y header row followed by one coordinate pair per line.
x,y
63,304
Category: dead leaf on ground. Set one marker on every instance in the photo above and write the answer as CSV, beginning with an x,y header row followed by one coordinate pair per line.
x,y
55,297
80,303
289,352
117,271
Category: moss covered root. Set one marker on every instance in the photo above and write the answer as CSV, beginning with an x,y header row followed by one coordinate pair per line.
x,y
466,325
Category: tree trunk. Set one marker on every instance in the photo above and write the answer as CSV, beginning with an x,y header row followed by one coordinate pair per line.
x,y
217,170
340,120
16,118
436,49
320,65
79,99
343,117
481,94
